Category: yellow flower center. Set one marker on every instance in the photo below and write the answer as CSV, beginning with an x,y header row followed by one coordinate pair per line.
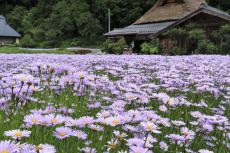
x,y
113,146
34,120
186,133
77,135
62,134
22,79
5,151
18,134
85,122
39,147
116,121
131,97
53,120
81,76
119,137
149,127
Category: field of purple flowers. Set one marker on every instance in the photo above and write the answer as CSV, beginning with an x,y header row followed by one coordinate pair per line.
x,y
114,104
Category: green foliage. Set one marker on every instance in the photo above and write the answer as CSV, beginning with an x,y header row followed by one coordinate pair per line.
x,y
114,46
69,43
50,22
15,18
206,47
224,35
27,41
221,38
177,33
179,37
82,52
196,34
221,4
11,49
178,51
149,48
123,12
193,39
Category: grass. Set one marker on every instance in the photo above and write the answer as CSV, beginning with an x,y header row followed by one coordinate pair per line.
x,y
16,50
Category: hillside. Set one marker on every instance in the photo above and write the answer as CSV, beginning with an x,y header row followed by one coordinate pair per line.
x,y
61,23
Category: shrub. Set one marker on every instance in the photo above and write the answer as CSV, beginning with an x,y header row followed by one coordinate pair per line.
x,y
225,47
206,47
114,47
193,39
212,48
149,48
82,52
197,34
224,36
178,37
177,33
38,34
27,41
45,44
70,43
178,51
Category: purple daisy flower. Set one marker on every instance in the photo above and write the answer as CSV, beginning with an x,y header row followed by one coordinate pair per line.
x,y
9,147
17,134
63,132
136,149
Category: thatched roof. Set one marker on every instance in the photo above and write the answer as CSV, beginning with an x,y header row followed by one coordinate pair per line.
x,y
172,11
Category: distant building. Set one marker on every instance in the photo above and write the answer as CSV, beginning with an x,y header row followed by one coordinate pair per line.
x,y
7,34
167,14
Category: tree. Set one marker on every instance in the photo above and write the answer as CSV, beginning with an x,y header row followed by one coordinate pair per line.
x,y
16,17
50,22
27,41
224,35
221,4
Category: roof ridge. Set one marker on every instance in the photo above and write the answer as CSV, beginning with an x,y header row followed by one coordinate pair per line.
x,y
2,19
216,9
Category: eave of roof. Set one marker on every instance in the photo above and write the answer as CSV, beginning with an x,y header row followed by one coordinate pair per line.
x,y
142,29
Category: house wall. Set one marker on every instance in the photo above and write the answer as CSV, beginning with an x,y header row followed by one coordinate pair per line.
x,y
165,42
6,41
206,22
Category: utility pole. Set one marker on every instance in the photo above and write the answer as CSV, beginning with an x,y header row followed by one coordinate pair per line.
x,y
109,18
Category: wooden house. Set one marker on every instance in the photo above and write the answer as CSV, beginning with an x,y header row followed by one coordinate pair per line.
x,y
167,14
7,34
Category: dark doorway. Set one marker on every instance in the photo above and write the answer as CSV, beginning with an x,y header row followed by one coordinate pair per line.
x,y
137,46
